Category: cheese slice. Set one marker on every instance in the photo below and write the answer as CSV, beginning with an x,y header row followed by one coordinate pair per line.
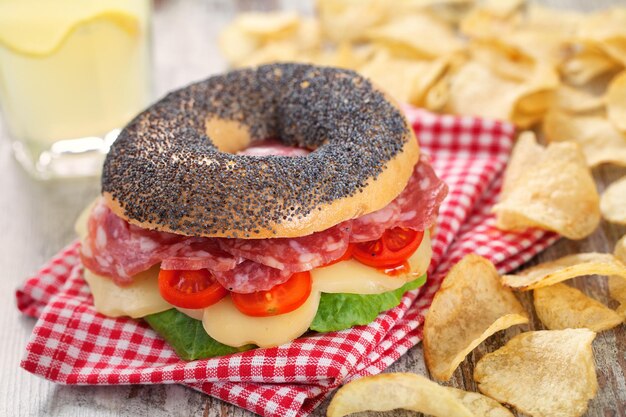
x,y
353,277
224,323
136,300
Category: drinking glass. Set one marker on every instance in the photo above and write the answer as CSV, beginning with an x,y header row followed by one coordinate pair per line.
x,y
72,73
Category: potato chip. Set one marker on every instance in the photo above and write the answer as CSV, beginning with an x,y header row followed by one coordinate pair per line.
x,y
406,80
617,285
346,55
393,75
537,37
585,65
438,95
543,374
490,21
540,18
616,49
433,72
502,59
451,12
236,45
526,151
601,142
480,405
617,289
257,38
417,35
272,25
348,20
308,36
548,47
613,202
616,101
573,100
535,94
562,269
411,5
620,249
561,307
475,90
607,30
470,306
414,392
538,191
502,8
283,51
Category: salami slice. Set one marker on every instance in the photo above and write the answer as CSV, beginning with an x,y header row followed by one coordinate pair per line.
x,y
294,254
201,254
250,276
415,208
119,250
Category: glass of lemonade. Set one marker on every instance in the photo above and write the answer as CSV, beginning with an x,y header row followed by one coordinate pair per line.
x,y
72,73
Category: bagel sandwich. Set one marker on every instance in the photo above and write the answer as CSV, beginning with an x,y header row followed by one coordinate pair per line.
x,y
258,205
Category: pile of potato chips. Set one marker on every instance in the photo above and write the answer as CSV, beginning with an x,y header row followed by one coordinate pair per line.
x,y
542,373
500,59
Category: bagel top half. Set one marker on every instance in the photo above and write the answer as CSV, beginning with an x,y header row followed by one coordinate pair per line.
x,y
173,168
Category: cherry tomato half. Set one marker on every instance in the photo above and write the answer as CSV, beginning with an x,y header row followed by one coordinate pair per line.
x,y
190,289
281,299
393,248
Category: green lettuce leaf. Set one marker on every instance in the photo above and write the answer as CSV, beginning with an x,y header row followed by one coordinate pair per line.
x,y
335,312
342,311
188,337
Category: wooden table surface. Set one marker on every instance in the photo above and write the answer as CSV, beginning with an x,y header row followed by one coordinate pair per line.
x,y
36,221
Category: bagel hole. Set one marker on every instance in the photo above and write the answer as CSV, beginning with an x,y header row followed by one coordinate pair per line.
x,y
232,137
227,135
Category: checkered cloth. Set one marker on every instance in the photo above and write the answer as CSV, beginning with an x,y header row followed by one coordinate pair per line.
x,y
72,344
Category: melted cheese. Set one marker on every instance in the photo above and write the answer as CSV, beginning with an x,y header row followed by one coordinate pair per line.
x,y
136,300
353,277
224,323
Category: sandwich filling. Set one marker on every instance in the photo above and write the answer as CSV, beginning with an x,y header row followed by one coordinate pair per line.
x,y
263,292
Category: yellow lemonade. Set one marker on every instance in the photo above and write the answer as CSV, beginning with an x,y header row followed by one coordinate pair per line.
x,y
71,73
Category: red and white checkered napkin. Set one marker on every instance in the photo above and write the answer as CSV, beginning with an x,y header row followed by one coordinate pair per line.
x,y
72,344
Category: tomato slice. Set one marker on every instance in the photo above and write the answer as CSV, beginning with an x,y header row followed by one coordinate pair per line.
x,y
393,248
281,299
190,289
